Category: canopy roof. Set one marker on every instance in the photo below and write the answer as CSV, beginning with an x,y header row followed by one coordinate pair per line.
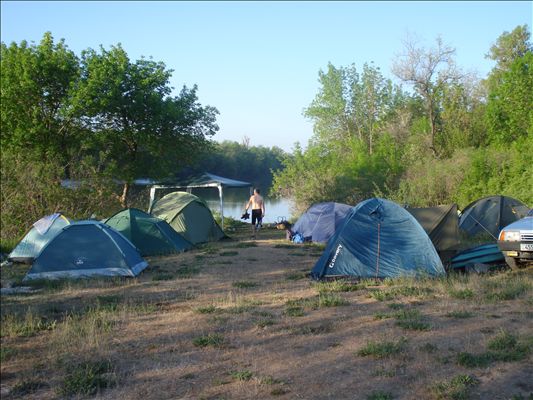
x,y
212,180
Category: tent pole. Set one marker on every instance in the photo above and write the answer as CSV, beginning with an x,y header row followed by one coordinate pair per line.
x,y
152,197
221,195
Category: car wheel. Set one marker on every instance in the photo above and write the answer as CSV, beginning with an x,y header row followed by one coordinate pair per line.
x,y
511,262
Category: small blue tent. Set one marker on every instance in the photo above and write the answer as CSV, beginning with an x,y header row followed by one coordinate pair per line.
x,y
321,220
84,249
379,239
39,235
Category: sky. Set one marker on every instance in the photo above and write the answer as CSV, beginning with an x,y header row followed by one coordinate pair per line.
x,y
258,62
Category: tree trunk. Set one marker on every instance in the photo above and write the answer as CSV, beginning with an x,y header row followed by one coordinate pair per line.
x,y
124,197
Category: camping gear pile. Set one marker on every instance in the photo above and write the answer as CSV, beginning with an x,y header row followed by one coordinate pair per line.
x,y
57,247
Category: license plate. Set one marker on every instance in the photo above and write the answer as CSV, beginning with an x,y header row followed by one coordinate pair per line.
x,y
526,246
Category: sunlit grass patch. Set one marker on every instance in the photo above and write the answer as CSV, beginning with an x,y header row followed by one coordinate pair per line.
x,y
461,294
29,324
459,314
243,375
506,288
504,347
457,388
244,284
383,349
88,378
336,286
380,395
391,293
212,339
210,309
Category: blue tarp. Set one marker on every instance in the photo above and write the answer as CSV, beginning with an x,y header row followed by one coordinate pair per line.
x,y
321,220
379,239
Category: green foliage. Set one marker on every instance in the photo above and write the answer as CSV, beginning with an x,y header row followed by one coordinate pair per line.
x,y
241,161
93,119
456,140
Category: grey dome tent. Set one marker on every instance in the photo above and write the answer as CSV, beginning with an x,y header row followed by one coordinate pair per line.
x,y
491,214
38,236
321,220
379,239
188,215
151,235
85,249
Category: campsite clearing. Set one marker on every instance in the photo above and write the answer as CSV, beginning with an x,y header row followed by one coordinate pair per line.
x,y
240,320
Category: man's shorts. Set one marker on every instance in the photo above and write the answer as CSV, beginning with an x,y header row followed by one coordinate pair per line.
x,y
257,216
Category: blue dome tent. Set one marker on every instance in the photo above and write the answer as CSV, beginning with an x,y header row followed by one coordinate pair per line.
x,y
379,239
85,249
321,220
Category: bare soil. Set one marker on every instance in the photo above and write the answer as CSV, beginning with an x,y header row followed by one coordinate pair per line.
x,y
237,292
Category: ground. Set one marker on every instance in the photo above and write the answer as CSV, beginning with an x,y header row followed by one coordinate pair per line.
x,y
240,319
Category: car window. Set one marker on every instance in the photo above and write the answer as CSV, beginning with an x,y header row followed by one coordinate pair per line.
x,y
530,213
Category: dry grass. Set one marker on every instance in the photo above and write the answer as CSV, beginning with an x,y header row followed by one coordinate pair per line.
x,y
241,320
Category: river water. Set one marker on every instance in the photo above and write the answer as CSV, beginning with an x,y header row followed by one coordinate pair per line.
x,y
235,200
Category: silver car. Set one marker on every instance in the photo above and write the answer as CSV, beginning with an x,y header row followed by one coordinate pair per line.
x,y
516,242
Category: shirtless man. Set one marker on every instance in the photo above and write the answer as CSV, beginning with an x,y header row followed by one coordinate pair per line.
x,y
258,209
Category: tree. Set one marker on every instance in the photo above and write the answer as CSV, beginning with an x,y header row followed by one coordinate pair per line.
x,y
37,86
510,105
429,71
351,105
141,129
510,46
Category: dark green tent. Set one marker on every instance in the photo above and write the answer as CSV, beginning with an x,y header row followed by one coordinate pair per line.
x,y
188,215
490,215
151,235
441,223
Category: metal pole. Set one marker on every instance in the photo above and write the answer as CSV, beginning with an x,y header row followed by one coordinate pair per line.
x,y
152,197
221,195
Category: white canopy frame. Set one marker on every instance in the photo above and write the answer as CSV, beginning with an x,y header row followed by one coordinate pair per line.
x,y
205,181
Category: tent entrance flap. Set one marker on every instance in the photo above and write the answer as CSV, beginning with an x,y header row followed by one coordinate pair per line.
x,y
206,180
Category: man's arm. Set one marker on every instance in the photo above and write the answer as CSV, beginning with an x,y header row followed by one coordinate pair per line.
x,y
248,204
263,207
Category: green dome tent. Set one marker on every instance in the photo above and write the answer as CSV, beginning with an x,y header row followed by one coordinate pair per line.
x,y
38,236
151,235
84,249
189,216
